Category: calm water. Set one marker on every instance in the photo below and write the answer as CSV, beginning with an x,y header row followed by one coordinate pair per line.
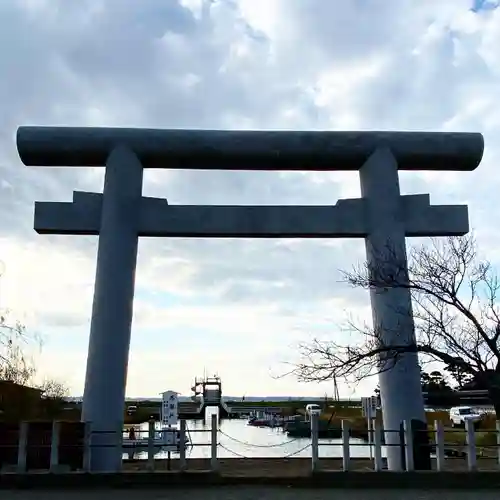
x,y
237,439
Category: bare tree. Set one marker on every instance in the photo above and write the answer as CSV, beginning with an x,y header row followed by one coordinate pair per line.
x,y
456,313
15,364
54,389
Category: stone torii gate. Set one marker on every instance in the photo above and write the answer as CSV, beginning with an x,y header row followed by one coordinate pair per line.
x,y
121,214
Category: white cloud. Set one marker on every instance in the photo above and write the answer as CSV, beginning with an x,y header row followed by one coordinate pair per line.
x,y
401,64
46,283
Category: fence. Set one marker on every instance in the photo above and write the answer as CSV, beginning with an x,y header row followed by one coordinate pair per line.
x,y
409,442
62,448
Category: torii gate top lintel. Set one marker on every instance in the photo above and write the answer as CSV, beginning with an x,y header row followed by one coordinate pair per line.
x,y
248,150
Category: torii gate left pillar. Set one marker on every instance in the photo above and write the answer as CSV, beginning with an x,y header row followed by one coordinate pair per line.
x,y
382,217
112,308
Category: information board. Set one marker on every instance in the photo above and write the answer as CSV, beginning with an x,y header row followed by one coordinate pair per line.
x,y
169,408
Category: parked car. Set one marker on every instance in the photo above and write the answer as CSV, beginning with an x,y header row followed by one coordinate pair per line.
x,y
460,414
313,408
131,409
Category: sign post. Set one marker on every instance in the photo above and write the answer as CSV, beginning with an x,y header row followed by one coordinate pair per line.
x,y
169,417
169,409
369,408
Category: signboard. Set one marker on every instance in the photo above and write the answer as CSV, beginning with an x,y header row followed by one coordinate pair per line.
x,y
369,407
169,408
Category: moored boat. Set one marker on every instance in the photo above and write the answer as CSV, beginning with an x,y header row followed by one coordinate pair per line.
x,y
168,439
302,428
264,420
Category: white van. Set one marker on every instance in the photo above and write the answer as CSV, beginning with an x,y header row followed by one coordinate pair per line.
x,y
459,415
312,408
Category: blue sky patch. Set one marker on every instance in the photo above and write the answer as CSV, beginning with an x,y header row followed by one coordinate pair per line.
x,y
484,5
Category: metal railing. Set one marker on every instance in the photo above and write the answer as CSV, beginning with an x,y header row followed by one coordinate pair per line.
x,y
469,451
441,451
93,440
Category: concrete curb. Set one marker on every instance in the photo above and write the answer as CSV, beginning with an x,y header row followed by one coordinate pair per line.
x,y
332,480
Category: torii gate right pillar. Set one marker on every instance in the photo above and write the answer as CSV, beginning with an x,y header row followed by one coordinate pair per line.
x,y
400,388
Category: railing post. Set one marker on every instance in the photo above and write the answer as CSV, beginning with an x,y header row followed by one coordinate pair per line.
x,y
22,445
498,441
151,445
54,446
471,444
377,441
214,463
87,445
408,441
439,438
182,445
346,451
314,441
119,445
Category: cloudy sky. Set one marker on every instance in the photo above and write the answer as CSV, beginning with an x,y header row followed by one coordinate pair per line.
x,y
236,307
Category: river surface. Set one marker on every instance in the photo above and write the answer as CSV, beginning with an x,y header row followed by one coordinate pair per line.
x,y
237,439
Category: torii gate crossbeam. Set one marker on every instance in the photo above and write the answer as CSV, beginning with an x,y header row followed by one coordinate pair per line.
x,y
121,214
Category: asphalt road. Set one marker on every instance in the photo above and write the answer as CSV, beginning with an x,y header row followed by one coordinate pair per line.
x,y
248,493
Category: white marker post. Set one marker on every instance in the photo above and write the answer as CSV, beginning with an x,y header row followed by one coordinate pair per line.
x,y
169,418
169,409
369,408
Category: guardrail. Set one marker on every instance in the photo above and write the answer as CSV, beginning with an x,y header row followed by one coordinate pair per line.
x,y
408,442
55,449
46,449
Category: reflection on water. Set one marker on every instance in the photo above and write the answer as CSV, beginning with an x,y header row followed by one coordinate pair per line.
x,y
237,439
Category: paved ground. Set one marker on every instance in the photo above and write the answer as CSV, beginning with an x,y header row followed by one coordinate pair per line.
x,y
292,467
248,493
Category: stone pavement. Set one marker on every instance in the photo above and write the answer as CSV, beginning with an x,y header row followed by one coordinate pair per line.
x,y
247,493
